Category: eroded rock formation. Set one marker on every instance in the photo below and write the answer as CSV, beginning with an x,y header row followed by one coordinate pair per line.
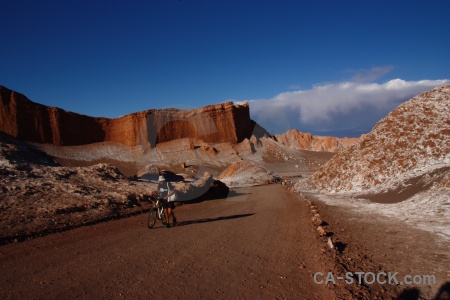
x,y
246,173
306,141
24,119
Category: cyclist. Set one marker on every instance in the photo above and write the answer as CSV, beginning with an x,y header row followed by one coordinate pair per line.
x,y
166,190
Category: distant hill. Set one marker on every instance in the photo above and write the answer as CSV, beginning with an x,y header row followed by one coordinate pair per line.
x,y
306,141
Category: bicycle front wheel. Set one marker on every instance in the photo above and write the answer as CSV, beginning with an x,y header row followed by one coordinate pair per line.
x,y
152,217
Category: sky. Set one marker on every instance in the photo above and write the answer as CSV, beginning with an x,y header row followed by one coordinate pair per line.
x,y
328,67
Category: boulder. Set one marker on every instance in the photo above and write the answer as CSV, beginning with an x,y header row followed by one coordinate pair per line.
x,y
321,231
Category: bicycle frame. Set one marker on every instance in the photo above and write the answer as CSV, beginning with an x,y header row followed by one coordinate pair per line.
x,y
160,210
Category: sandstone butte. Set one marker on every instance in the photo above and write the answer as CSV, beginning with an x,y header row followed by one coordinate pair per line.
x,y
30,121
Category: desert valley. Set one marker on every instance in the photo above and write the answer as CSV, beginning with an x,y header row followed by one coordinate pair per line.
x,y
376,203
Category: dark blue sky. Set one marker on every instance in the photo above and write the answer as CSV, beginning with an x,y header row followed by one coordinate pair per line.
x,y
111,58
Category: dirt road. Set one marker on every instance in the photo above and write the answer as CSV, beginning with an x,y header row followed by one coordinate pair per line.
x,y
251,245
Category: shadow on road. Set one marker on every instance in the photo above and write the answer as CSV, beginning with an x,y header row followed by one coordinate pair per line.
x,y
233,193
198,221
415,294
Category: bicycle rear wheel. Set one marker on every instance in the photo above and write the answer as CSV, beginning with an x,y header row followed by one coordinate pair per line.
x,y
152,217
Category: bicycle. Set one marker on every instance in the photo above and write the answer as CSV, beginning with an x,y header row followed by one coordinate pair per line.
x,y
156,213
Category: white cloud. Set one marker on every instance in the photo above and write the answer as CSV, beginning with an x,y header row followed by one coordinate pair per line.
x,y
336,106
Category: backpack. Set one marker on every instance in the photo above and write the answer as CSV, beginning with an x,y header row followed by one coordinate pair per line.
x,y
174,197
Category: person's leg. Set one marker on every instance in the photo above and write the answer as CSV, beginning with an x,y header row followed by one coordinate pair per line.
x,y
172,208
169,212
166,215
174,219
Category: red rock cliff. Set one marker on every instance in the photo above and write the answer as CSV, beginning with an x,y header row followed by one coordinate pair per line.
x,y
306,141
24,119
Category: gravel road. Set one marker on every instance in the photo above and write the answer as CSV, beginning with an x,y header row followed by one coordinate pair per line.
x,y
257,243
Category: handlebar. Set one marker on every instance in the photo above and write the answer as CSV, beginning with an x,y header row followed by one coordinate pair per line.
x,y
156,200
